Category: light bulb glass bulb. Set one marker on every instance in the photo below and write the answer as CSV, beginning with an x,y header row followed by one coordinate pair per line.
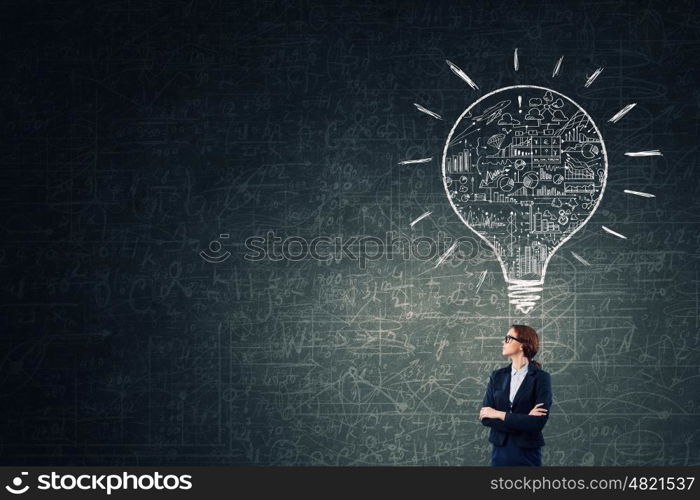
x,y
524,167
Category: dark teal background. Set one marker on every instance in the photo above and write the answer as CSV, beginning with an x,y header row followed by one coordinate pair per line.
x,y
135,133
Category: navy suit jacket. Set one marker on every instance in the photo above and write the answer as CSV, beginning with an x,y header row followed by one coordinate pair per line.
x,y
524,429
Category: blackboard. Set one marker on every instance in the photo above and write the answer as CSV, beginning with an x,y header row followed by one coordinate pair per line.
x,y
150,147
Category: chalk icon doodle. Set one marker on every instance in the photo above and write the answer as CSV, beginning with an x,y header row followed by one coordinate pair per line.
x,y
524,167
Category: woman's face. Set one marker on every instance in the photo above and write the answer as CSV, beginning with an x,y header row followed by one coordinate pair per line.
x,y
512,347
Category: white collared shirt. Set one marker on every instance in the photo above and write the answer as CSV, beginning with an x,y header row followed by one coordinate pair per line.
x,y
516,378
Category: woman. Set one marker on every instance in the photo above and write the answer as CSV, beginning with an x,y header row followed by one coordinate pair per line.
x,y
517,402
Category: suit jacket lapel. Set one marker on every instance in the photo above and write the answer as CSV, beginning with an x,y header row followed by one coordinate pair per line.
x,y
506,383
505,390
526,384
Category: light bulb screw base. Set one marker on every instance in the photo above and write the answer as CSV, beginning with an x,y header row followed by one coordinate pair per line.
x,y
523,294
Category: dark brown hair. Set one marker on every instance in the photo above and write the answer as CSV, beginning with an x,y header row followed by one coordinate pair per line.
x,y
530,341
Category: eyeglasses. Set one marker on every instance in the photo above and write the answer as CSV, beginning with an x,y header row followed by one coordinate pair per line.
x,y
508,338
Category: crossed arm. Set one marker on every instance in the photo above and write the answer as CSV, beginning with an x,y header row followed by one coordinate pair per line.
x,y
511,422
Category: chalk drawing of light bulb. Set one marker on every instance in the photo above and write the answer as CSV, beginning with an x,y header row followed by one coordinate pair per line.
x,y
525,168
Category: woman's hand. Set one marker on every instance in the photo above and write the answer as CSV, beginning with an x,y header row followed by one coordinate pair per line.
x,y
488,412
538,412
